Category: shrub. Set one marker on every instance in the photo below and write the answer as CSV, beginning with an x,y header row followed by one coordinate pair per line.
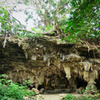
x,y
9,90
69,97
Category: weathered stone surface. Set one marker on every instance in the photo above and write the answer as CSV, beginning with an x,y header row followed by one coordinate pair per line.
x,y
50,63
79,90
91,89
35,90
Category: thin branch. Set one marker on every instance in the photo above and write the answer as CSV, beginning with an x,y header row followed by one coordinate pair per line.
x,y
13,17
62,16
10,23
60,7
64,4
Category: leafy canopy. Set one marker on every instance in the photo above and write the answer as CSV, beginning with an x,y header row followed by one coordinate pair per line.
x,y
77,19
84,21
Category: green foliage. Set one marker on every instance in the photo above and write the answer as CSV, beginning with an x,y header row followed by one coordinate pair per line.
x,y
29,17
87,98
9,90
4,20
99,90
84,20
79,18
48,28
69,97
8,23
29,35
27,83
33,35
83,90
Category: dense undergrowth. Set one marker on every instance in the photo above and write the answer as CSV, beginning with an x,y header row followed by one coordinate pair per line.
x,y
10,90
70,97
15,91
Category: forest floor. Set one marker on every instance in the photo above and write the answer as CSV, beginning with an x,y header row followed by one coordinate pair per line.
x,y
51,96
55,96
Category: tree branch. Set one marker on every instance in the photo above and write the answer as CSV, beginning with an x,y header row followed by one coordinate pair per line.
x,y
10,23
64,4
44,33
13,17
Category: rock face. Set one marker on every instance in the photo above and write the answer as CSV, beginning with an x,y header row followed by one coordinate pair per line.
x,y
50,63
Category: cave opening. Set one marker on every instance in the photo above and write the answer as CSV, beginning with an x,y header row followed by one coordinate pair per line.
x,y
81,83
40,87
55,83
98,83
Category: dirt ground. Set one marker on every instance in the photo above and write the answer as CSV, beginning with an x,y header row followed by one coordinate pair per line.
x,y
55,96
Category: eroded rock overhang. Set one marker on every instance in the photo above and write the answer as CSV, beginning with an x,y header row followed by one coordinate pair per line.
x,y
50,63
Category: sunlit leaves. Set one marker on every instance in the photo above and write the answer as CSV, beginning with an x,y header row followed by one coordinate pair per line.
x,y
8,24
83,22
1,12
4,19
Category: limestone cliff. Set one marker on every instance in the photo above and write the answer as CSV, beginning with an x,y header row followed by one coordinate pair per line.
x,y
50,63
